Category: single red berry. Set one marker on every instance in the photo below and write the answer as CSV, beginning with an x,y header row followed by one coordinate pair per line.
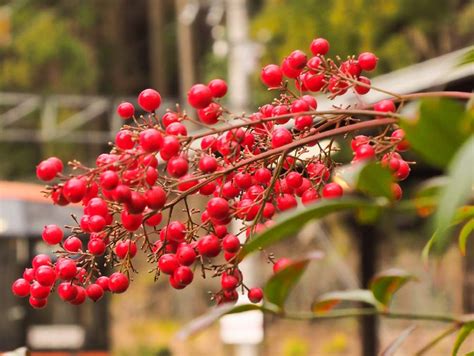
x,y
218,208
280,264
218,88
46,170
52,234
177,166
297,59
41,260
255,295
168,263
309,196
66,269
67,291
154,219
29,274
403,144
286,202
271,76
386,105
39,291
362,89
149,100
289,71
75,189
170,148
125,110
242,180
72,244
207,164
397,191
94,292
21,287
403,170
303,122
209,246
131,222
126,248
351,68
332,190
96,247
109,180
118,282
210,114
319,46
186,255
45,275
229,282
268,210
281,137
136,204
96,223
176,129
37,303
199,96
364,152
175,284
124,140
122,193
294,179
169,118
314,82
358,141
183,275
103,281
151,140
367,61
231,243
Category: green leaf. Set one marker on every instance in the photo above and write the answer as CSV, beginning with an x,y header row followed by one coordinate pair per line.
x,y
467,58
328,301
464,234
462,336
290,223
386,283
442,127
368,177
395,344
457,191
279,286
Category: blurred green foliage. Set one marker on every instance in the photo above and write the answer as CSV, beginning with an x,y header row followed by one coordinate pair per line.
x,y
398,31
47,52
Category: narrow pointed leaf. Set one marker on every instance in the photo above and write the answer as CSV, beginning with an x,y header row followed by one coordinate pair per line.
x,y
328,301
466,231
462,336
385,284
395,344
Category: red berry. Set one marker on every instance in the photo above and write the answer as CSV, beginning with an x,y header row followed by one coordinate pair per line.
x,y
38,291
124,140
332,190
281,137
209,246
231,243
177,166
229,282
126,248
168,263
358,141
149,100
207,164
57,162
80,296
255,295
122,193
94,292
385,106
218,208
66,269
41,260
286,202
136,204
396,191
199,96
74,190
271,75
170,148
303,122
103,281
289,71
96,246
183,275
45,275
155,198
176,129
109,180
118,282
131,222
399,135
364,152
280,264
319,46
210,114
362,89
154,219
67,291
403,170
21,287
96,223
314,82
218,88
29,274
46,170
169,118
186,255
294,179
52,234
125,110
151,140
309,196
72,244
367,61
37,303
297,59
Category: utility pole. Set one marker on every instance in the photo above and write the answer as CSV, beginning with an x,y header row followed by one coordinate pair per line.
x,y
244,330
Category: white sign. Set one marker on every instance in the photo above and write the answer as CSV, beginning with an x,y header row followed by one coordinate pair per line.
x,y
56,336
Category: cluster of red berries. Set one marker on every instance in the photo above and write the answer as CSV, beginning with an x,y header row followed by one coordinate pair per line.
x,y
248,168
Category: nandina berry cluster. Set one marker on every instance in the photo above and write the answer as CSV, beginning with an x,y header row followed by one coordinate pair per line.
x,y
247,168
